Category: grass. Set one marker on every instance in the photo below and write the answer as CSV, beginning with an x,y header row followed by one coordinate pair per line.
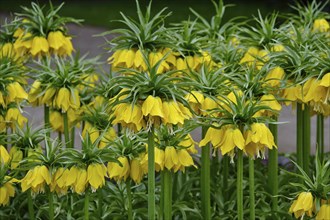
x,y
100,13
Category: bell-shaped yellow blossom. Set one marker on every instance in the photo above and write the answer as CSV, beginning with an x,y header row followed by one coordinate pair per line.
x,y
257,139
275,76
108,136
36,179
14,115
96,174
7,190
91,131
48,96
175,113
250,56
184,160
18,33
136,171
81,181
67,47
189,144
152,106
324,212
171,157
72,176
2,124
23,44
159,160
270,101
128,114
75,99
303,205
56,121
58,183
232,138
325,81
321,25
34,96
16,157
4,155
39,46
278,48
119,171
16,93
316,92
7,50
155,57
213,135
63,99
56,40
208,105
139,62
195,100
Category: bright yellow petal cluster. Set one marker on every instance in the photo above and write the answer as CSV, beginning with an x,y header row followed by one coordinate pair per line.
x,y
255,56
270,101
226,139
323,213
56,119
58,183
16,156
275,76
321,25
96,174
94,133
16,93
15,116
303,205
36,179
129,116
4,155
7,190
77,179
257,139
121,171
8,50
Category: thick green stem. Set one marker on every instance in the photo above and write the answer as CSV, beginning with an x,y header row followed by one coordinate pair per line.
x,y
73,133
320,136
225,175
46,119
30,205
151,175
162,191
86,205
167,194
273,170
51,205
239,186
306,138
66,130
251,189
129,200
205,179
300,130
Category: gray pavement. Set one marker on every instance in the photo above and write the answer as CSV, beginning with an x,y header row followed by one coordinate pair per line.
x,y
84,42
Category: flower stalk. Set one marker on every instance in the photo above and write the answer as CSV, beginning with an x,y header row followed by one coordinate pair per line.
x,y
167,194
30,205
205,179
299,130
251,189
46,118
86,206
239,185
306,138
273,169
151,175
66,130
320,136
51,205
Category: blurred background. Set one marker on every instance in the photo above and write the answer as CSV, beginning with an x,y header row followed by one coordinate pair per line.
x,y
100,12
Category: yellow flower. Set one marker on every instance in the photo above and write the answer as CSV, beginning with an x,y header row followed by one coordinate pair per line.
x,y
48,96
152,106
189,144
36,179
14,115
316,92
195,100
175,113
184,160
303,205
139,61
117,171
257,139
63,99
23,44
323,213
2,100
122,58
129,116
278,48
39,46
81,180
108,136
275,76
67,48
270,101
34,93
16,155
232,138
7,50
159,159
207,105
56,121
321,25
96,174
74,99
325,81
155,57
91,131
16,93
213,135
56,40
4,156
250,56
171,157
7,190
136,171
58,183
